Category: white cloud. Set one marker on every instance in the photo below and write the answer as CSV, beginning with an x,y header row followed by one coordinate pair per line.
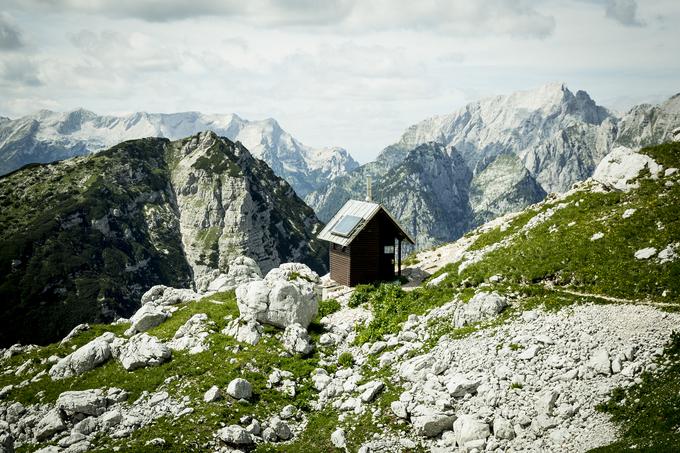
x,y
623,11
10,35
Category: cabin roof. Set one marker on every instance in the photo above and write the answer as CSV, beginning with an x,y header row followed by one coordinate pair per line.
x,y
351,219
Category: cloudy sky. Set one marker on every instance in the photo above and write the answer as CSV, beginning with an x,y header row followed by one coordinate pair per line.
x,y
351,73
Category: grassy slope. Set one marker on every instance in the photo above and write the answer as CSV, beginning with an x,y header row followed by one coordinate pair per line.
x,y
559,252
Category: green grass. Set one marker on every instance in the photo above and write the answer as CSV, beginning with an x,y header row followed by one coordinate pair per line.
x,y
648,413
346,359
328,307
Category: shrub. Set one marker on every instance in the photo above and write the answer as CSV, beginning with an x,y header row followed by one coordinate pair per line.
x,y
361,295
327,307
346,359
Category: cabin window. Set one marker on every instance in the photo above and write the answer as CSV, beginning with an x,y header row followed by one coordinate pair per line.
x,y
389,250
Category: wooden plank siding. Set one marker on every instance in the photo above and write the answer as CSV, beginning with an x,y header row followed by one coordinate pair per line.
x,y
340,264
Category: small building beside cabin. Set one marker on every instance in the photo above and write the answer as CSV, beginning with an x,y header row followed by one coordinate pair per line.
x,y
365,244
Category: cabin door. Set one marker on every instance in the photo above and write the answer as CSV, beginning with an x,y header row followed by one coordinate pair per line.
x,y
387,261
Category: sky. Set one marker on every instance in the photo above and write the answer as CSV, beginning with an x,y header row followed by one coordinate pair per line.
x,y
349,73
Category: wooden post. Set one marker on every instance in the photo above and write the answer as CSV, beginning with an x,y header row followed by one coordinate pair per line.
x,y
399,257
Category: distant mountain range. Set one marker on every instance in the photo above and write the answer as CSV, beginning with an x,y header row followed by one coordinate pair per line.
x,y
450,173
49,136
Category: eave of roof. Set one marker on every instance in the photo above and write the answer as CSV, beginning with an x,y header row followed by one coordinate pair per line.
x,y
366,210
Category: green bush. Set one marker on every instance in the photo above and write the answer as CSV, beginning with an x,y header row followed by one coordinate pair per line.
x,y
361,295
346,359
327,307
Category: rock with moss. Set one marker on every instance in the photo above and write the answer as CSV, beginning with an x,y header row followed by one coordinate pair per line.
x,y
241,270
296,340
84,359
288,295
140,351
192,336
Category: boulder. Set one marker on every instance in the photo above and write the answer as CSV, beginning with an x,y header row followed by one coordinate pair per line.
x,y
72,439
621,166
235,435
399,409
645,253
370,390
288,294
469,428
111,418
142,350
483,305
75,331
86,426
49,425
240,389
85,402
213,394
192,335
244,330
459,385
338,438
165,295
6,442
432,423
148,316
600,362
503,429
240,270
281,429
84,358
545,403
296,340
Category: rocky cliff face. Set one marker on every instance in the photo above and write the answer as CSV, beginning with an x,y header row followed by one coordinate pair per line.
x,y
517,148
49,136
82,239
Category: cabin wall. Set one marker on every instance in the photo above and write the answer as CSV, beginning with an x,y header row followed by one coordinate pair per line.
x,y
340,261
365,249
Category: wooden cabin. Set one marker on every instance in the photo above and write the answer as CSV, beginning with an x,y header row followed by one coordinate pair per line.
x,y
365,240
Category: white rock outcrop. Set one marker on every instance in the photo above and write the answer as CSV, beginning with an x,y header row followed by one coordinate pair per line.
x,y
140,351
240,389
84,358
622,165
193,335
241,269
244,330
148,316
296,340
288,294
482,306
165,295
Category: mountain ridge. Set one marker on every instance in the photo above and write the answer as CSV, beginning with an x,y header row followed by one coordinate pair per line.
x,y
83,238
48,136
558,137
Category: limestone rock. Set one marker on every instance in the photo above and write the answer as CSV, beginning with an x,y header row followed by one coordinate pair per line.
x,y
148,316
84,358
432,423
244,330
459,385
165,295
296,340
288,294
338,438
370,390
503,429
49,425
240,389
241,269
483,305
192,336
622,165
469,428
142,350
600,362
212,394
85,402
75,331
235,435
281,429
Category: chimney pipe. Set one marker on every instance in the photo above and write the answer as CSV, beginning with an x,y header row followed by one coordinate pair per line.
x,y
369,192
